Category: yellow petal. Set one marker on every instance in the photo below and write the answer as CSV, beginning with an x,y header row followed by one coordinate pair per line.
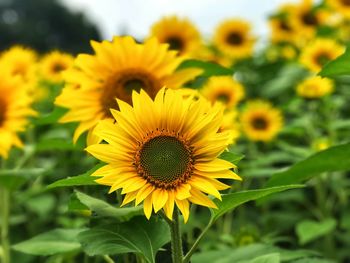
x,y
184,207
147,206
159,198
129,197
201,199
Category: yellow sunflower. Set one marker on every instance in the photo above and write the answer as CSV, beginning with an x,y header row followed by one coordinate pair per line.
x,y
53,64
315,55
223,89
340,6
233,37
306,19
180,34
164,152
315,87
14,110
19,61
230,124
260,121
117,68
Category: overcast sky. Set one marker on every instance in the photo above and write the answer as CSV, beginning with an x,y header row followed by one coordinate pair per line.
x,y
136,16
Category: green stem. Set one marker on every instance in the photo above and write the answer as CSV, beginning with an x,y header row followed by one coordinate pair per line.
x,y
189,254
4,228
108,259
176,241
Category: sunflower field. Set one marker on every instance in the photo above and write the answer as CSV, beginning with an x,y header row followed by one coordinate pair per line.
x,y
181,147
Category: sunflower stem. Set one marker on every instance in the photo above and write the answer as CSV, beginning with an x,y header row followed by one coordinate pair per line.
x,y
4,227
176,241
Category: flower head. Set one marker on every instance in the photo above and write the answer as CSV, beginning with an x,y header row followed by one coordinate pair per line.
x,y
315,87
164,152
53,64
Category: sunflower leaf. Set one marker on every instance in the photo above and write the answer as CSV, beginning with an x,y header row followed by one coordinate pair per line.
x,y
139,235
56,241
231,201
338,67
51,117
309,230
102,209
231,157
335,158
209,68
78,180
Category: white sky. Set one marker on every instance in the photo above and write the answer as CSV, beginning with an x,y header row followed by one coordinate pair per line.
x,y
136,16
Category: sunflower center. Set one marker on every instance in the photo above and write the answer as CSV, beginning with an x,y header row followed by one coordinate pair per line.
x,y
175,43
223,97
164,160
259,123
309,19
322,58
234,38
346,2
285,26
2,112
57,68
123,83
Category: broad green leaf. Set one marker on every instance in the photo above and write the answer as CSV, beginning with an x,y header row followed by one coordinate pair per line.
x,y
59,144
338,67
139,235
13,179
332,159
309,230
209,68
50,118
78,180
102,209
231,201
269,258
12,182
50,243
231,157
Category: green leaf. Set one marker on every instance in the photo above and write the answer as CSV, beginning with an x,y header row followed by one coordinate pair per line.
x,y
50,243
50,118
136,236
231,201
209,68
231,157
102,209
332,159
59,144
338,67
269,258
78,180
309,230
12,179
12,182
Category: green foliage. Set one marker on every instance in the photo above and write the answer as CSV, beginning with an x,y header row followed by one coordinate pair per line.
x,y
231,157
209,68
56,241
138,236
309,230
332,159
338,67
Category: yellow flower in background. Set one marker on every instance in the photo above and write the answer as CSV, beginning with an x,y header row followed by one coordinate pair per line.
x,y
180,34
14,111
19,61
164,152
315,87
117,68
316,54
210,54
321,144
340,6
53,64
261,121
233,37
223,89
230,123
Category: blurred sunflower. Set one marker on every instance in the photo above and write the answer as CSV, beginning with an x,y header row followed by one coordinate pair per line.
x,y
340,6
315,87
117,68
180,34
306,19
260,121
14,110
319,52
223,89
210,54
233,37
230,123
164,152
53,64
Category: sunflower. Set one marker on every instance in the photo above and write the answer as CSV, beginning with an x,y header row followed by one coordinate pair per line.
x,y
19,61
260,121
230,124
180,34
164,152
233,38
14,110
53,64
117,68
340,6
315,87
224,89
319,52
